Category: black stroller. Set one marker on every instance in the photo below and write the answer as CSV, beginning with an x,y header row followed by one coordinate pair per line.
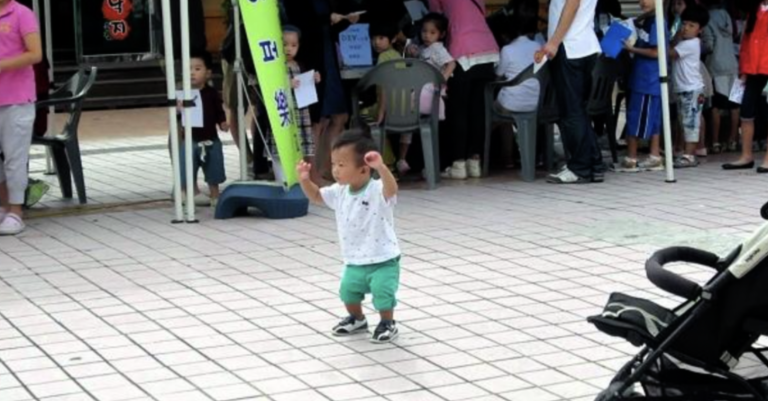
x,y
691,352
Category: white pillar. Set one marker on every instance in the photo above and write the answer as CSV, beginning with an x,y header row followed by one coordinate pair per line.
x,y
187,83
172,123
661,34
238,69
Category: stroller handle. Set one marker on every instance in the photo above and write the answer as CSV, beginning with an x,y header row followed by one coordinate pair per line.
x,y
674,283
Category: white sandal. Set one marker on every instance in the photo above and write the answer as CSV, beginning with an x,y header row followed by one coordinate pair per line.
x,y
12,224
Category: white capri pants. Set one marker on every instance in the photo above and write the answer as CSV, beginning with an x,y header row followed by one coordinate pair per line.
x,y
16,124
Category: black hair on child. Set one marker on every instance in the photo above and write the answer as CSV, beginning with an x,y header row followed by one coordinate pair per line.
x,y
440,21
383,29
696,13
360,141
292,29
204,56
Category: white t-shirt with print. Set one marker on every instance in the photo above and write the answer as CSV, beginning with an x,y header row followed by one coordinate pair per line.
x,y
365,222
687,68
436,54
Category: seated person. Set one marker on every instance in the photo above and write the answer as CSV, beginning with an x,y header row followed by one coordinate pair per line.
x,y
517,56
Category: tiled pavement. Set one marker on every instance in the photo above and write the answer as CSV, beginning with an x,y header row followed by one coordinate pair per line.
x,y
498,278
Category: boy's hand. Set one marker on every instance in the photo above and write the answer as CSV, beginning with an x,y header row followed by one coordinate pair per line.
x,y
374,160
412,50
304,168
629,44
336,18
179,106
318,78
224,126
295,83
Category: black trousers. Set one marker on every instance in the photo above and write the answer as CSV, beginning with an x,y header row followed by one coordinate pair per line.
x,y
465,113
573,83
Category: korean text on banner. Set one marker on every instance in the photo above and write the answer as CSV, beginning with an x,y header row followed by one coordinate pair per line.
x,y
265,37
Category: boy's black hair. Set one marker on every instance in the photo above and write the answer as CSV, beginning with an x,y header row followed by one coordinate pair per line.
x,y
440,21
524,20
204,56
383,29
360,141
292,29
696,13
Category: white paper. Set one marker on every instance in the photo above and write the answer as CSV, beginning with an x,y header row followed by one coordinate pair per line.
x,y
196,112
537,66
737,92
306,93
416,10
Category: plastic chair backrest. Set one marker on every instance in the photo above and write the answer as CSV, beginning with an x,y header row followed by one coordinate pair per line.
x,y
71,96
401,82
604,78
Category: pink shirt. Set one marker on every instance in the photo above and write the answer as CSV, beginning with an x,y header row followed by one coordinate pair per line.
x,y
18,86
468,34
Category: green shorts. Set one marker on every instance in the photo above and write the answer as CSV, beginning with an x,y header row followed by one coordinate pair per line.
x,y
381,280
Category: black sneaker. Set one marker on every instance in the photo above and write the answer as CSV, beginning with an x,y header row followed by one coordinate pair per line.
x,y
385,332
350,326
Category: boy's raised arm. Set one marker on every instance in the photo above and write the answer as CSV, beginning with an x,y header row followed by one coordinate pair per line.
x,y
311,190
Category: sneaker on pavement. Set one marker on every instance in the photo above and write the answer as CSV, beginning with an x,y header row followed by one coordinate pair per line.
x,y
627,165
12,224
652,163
385,332
566,176
473,168
349,325
458,171
686,161
403,167
202,200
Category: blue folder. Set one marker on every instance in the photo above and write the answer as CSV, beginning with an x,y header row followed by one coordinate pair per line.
x,y
613,41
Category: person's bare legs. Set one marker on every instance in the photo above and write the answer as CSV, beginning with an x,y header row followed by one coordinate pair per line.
x,y
655,146
235,132
336,126
632,147
716,124
355,310
702,136
747,133
387,314
322,165
215,192
735,120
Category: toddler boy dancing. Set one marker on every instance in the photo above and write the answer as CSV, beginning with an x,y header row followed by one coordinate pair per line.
x,y
365,221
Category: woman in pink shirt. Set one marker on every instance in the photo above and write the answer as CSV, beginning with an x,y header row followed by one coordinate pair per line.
x,y
474,48
20,49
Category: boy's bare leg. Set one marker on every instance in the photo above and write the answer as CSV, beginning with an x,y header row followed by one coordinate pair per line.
x,y
214,188
632,147
655,146
387,314
355,310
702,136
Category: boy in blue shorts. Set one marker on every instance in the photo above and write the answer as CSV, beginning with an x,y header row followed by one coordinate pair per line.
x,y
365,221
644,110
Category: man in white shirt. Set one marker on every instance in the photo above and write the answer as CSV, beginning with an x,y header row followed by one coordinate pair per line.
x,y
572,49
